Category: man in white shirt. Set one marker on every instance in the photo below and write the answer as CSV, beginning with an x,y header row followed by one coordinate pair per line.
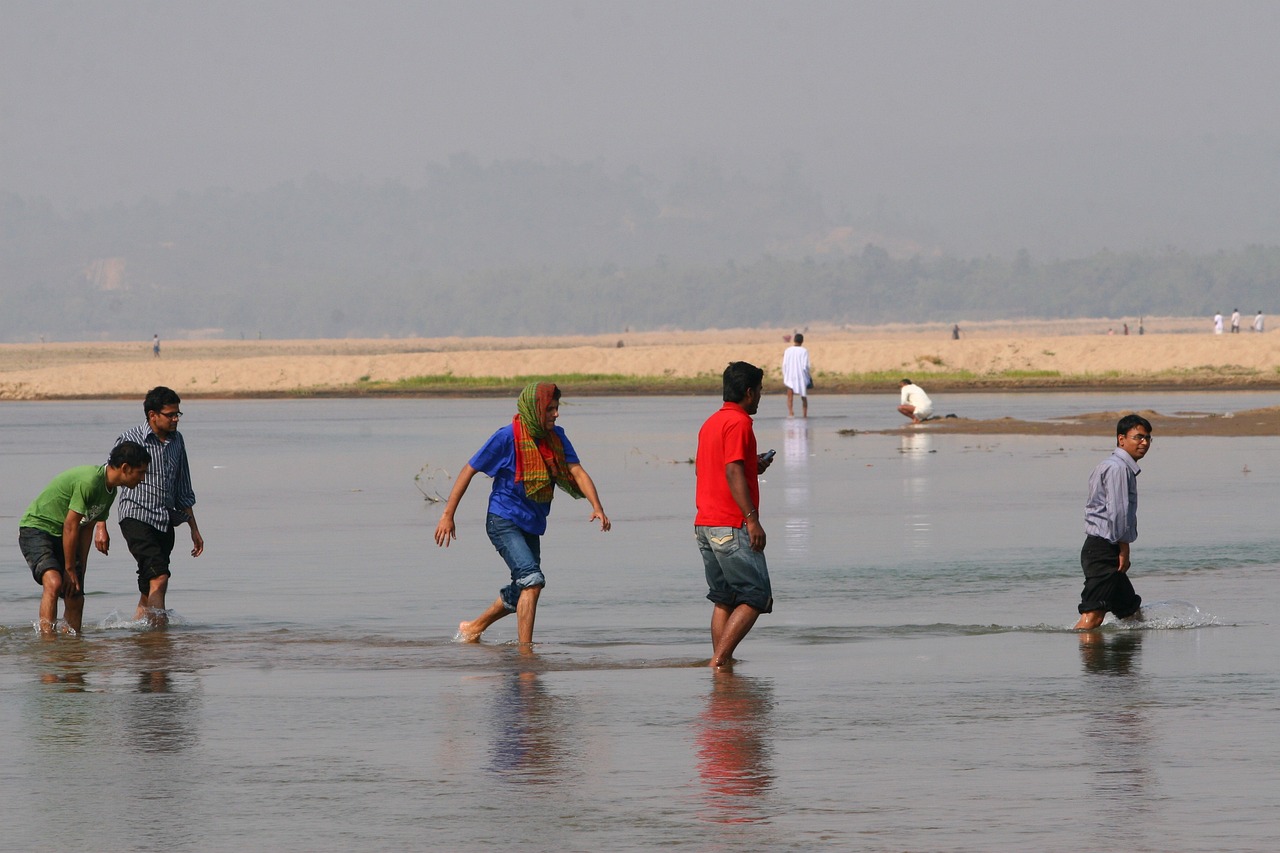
x,y
915,403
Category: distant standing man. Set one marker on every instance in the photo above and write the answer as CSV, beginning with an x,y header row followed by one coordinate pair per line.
x,y
149,513
1217,323
527,459
155,345
1110,525
54,536
795,375
1258,321
1235,321
915,404
727,524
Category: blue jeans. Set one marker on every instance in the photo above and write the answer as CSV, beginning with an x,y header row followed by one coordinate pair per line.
x,y
523,554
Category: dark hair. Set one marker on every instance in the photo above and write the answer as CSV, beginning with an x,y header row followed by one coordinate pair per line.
x,y
799,338
1128,422
905,382
159,397
129,453
739,378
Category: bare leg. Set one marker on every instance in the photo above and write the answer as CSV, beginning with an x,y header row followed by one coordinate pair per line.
x,y
910,411
790,411
469,632
728,628
51,581
526,612
804,405
151,604
73,610
1090,619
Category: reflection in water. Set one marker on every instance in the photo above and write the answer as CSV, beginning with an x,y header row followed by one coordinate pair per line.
x,y
529,731
62,723
162,712
735,758
796,491
915,450
1117,742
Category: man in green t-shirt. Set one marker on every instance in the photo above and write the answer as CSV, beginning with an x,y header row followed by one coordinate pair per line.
x,y
56,530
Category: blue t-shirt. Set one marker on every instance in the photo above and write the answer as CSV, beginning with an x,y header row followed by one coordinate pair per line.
x,y
507,498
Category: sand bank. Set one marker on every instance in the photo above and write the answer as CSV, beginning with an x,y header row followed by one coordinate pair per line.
x,y
1013,355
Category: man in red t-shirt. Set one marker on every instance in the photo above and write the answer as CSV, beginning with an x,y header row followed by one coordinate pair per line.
x,y
727,525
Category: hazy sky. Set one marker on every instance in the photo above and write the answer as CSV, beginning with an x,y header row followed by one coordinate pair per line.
x,y
1154,117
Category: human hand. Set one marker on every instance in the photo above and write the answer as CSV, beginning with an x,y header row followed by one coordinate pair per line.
x,y
605,524
101,539
445,531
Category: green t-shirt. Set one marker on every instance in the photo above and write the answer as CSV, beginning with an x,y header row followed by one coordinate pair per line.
x,y
83,489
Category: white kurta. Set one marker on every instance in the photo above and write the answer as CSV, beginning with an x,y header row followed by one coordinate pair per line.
x,y
795,370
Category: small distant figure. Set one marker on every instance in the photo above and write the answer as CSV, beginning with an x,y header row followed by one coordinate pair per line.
x,y
796,375
1217,323
527,459
1258,322
915,403
1141,330
955,332
57,529
1126,330
1235,321
727,524
155,345
1110,525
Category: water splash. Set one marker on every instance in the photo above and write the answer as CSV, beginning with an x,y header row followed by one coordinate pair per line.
x,y
1165,615
114,621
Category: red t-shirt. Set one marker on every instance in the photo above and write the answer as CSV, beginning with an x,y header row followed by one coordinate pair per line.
x,y
727,436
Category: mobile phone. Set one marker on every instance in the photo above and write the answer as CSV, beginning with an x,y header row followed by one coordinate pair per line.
x,y
765,457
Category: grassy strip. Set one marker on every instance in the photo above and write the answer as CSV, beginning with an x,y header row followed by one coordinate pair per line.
x,y
596,384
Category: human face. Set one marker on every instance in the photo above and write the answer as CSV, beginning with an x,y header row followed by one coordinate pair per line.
x,y
164,421
1136,442
131,475
126,476
752,402
553,412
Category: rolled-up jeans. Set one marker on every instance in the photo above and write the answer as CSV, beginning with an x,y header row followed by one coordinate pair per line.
x,y
523,554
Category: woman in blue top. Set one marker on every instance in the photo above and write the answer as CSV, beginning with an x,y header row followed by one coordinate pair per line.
x,y
527,459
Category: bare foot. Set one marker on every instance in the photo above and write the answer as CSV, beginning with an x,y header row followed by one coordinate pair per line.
x,y
466,634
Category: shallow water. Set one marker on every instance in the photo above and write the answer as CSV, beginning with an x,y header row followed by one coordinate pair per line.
x,y
916,687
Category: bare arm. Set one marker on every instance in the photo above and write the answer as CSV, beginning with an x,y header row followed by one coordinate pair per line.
x,y
445,530
197,541
736,474
588,489
75,550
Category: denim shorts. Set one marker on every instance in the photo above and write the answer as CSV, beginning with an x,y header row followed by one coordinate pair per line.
x,y
523,554
43,552
735,574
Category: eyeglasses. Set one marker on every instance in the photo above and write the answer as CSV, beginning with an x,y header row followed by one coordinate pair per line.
x,y
1140,439
173,416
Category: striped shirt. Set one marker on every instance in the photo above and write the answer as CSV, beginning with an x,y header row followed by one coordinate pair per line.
x,y
166,490
1112,509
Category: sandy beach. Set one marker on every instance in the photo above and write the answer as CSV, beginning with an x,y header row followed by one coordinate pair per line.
x,y
1075,354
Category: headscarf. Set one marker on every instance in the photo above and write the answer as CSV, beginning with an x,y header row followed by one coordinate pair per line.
x,y
540,462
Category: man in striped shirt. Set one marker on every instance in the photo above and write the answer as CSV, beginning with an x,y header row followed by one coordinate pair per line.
x,y
149,513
